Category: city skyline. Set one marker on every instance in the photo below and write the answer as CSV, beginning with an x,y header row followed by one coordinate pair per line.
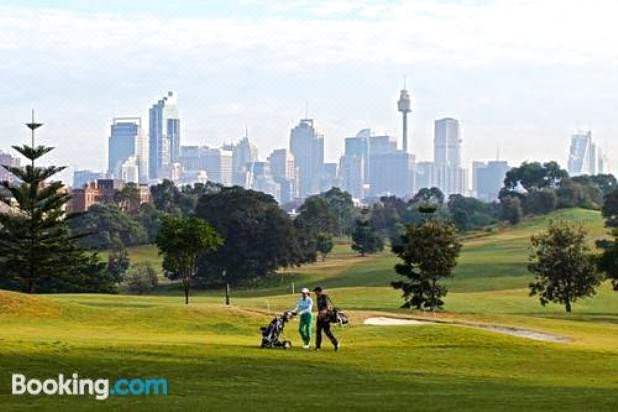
x,y
257,65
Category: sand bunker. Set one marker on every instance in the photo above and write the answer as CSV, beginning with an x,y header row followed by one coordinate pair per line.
x,y
524,333
382,321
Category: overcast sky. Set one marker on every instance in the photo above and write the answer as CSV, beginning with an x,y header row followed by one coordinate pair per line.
x,y
523,75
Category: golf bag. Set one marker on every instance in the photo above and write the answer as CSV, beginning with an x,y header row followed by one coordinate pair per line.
x,y
272,332
338,317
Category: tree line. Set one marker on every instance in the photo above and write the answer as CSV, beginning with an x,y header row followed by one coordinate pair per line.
x,y
210,235
536,188
564,267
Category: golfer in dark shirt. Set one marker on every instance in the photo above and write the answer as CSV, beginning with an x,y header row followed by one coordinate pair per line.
x,y
325,307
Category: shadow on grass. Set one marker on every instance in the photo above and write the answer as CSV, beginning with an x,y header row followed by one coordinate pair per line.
x,y
253,379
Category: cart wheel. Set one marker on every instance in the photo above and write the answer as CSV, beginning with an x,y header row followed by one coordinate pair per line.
x,y
287,344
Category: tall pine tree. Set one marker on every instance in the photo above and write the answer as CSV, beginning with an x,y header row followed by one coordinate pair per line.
x,y
37,253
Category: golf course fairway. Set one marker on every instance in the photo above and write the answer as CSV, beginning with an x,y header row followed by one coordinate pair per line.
x,y
209,353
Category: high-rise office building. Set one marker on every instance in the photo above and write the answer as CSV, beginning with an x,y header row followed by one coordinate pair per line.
x,y
7,159
129,171
352,175
447,143
391,174
307,146
190,158
424,175
126,140
244,154
263,180
364,145
489,179
218,165
585,156
329,178
449,176
283,169
476,165
163,135
282,163
84,176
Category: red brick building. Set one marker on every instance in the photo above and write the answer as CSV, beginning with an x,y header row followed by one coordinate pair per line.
x,y
104,191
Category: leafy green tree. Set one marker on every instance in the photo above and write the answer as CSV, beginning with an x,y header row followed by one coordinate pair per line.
x,y
37,253
169,198
315,214
540,202
429,253
342,208
128,199
571,193
608,260
259,237
118,260
314,218
511,210
93,277
183,241
563,266
165,196
150,219
534,176
141,278
387,214
429,195
365,239
587,191
106,222
605,182
469,213
610,209
325,244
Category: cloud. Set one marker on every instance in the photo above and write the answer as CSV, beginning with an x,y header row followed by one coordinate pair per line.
x,y
85,67
545,32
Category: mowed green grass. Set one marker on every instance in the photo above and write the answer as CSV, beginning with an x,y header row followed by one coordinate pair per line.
x,y
140,254
209,352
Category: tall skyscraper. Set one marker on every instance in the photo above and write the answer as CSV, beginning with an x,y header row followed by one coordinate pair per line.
x,y
424,175
283,169
447,143
364,145
244,154
329,178
585,157
163,135
282,164
126,140
449,176
404,106
307,146
352,175
391,174
489,179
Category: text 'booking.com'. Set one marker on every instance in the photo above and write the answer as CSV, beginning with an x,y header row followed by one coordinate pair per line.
x,y
99,388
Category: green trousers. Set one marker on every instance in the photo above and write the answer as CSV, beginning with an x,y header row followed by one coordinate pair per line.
x,y
304,327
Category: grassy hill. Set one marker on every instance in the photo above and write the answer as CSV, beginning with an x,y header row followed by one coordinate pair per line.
x,y
209,352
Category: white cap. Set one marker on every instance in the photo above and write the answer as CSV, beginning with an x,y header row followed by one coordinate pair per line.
x,y
304,290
